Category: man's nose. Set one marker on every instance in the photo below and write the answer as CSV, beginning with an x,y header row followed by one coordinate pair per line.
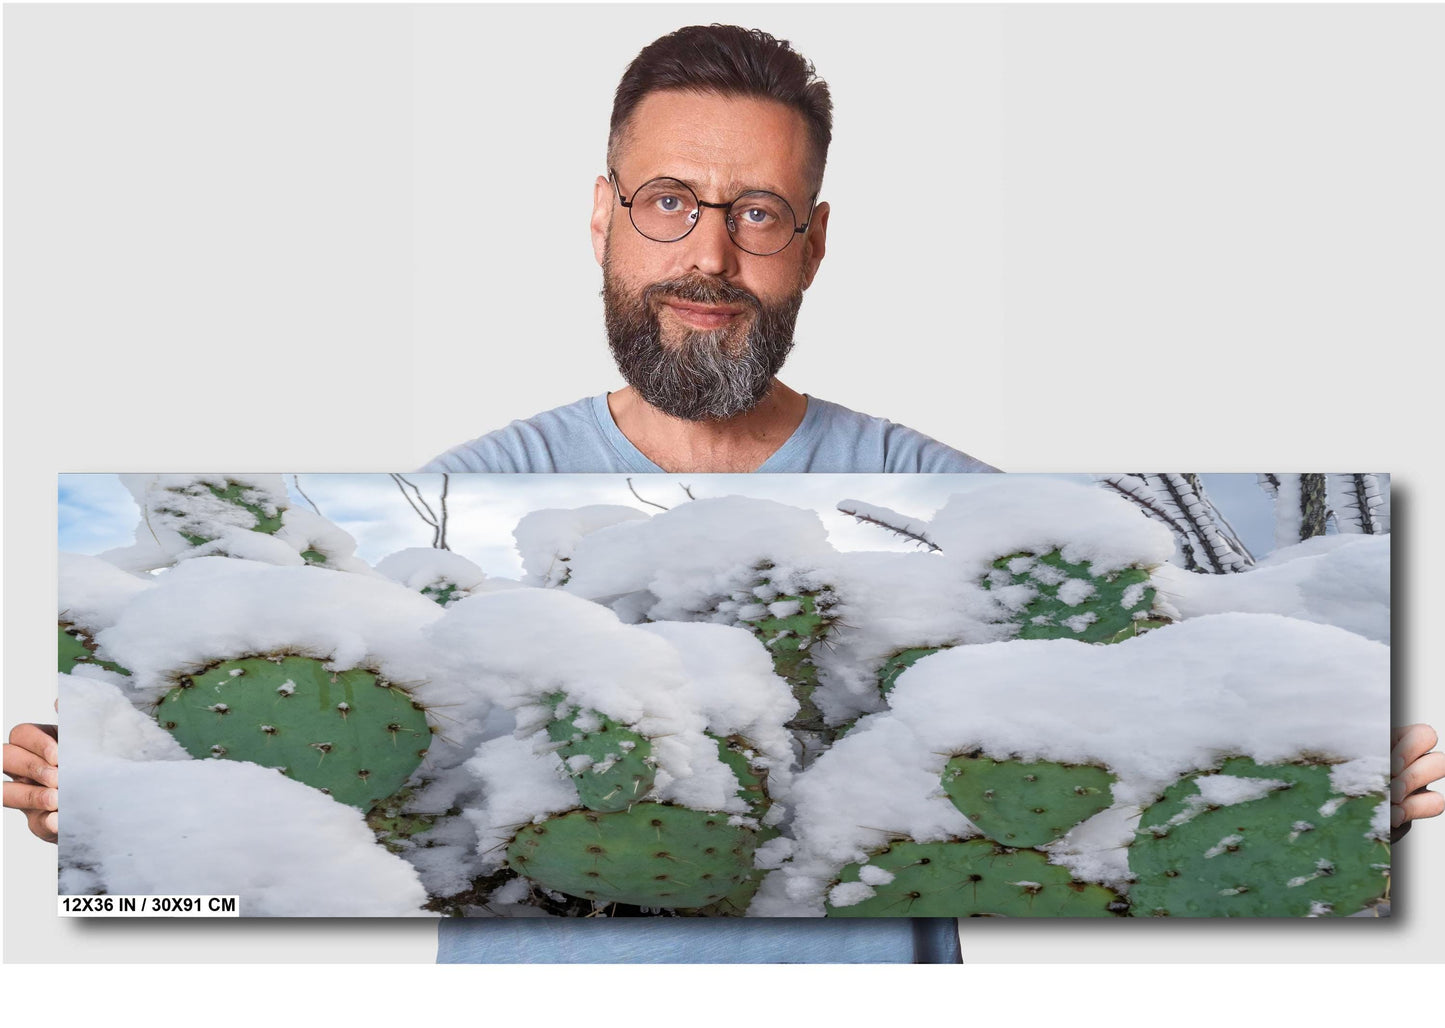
x,y
710,248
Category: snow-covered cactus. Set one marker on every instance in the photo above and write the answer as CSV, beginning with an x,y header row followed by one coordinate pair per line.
x,y
611,765
351,733
77,647
1016,804
973,878
1025,803
1206,540
790,625
441,576
901,662
1052,598
202,507
653,855
656,855
1304,503
1258,841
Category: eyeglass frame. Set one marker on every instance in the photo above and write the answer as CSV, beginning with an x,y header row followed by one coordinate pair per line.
x,y
797,229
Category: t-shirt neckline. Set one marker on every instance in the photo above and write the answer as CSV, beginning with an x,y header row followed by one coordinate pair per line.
x,y
636,460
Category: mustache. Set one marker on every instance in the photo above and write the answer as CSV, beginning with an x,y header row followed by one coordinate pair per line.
x,y
700,289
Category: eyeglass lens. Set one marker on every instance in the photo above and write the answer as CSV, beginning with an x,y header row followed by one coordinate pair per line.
x,y
665,210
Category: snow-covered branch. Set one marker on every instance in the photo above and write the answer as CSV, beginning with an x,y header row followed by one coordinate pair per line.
x,y
898,524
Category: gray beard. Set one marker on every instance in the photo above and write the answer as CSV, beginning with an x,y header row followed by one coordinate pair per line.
x,y
702,379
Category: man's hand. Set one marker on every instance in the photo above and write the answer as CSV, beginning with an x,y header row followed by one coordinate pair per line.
x,y
32,758
1413,766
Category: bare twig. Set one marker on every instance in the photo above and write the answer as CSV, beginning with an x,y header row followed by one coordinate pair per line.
x,y
648,502
296,482
438,525
442,529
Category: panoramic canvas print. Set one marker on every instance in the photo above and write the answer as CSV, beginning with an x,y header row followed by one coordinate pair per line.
x,y
1126,695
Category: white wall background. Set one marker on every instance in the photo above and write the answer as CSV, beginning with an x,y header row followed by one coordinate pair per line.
x,y
1064,239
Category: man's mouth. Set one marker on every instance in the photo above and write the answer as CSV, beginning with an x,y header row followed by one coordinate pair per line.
x,y
702,316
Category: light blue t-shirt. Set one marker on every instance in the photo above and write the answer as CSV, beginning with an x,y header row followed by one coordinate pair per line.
x,y
582,438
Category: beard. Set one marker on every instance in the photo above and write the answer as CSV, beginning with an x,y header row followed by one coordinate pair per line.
x,y
706,375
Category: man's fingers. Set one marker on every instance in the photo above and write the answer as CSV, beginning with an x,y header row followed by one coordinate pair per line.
x,y
26,764
1417,805
1422,773
24,796
44,825
1408,744
40,740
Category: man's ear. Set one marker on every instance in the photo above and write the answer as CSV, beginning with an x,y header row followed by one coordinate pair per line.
x,y
602,203
816,242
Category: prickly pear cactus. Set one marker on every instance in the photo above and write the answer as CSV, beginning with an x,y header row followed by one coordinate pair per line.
x,y
1054,599
734,751
901,662
973,878
76,647
790,625
348,733
1298,849
396,824
441,592
1019,803
611,765
190,509
616,850
654,855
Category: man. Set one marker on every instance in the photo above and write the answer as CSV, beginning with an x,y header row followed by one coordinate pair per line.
x,y
708,230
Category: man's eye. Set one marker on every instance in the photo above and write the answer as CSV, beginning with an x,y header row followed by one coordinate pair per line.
x,y
669,204
756,216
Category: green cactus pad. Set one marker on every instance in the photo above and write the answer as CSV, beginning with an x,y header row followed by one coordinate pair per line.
x,y
1100,613
344,732
752,781
76,647
976,878
789,641
441,592
654,855
610,764
1025,804
901,662
1297,851
233,493
395,825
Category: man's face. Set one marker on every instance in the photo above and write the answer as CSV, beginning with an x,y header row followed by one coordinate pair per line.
x,y
698,326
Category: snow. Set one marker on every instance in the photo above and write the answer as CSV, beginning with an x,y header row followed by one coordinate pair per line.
x,y
211,609
1036,515
101,723
1341,580
546,539
847,894
304,530
661,555
874,875
93,592
426,567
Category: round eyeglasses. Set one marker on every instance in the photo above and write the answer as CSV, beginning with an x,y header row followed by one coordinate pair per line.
x,y
666,210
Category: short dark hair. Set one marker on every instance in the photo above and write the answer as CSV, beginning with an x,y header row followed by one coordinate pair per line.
x,y
730,61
